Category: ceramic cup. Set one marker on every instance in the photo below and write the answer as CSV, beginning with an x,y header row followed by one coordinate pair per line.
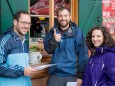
x,y
35,57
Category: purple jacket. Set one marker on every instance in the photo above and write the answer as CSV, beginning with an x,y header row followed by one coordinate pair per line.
x,y
100,69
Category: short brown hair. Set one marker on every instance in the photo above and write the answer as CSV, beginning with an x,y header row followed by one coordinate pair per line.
x,y
63,8
17,14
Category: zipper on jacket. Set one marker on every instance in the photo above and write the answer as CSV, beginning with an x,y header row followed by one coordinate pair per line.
x,y
23,45
102,50
101,70
22,41
92,65
102,65
96,83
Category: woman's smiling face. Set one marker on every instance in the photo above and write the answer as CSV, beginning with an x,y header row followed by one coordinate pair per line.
x,y
97,37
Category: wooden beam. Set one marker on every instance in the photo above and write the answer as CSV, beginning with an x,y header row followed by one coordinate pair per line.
x,y
74,11
29,30
51,14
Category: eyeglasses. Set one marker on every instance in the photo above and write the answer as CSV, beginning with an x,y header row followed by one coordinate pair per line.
x,y
25,23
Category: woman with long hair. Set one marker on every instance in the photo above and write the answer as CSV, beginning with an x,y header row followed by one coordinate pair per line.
x,y
100,69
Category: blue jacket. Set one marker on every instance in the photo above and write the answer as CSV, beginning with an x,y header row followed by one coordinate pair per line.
x,y
100,70
70,54
11,44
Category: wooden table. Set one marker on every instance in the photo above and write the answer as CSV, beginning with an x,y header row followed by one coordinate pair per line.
x,y
42,73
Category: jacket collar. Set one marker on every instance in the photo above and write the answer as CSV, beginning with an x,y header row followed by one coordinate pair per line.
x,y
103,49
13,34
68,33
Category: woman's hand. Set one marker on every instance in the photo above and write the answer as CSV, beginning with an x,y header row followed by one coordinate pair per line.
x,y
79,82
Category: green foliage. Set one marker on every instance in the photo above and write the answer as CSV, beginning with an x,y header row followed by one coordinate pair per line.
x,y
35,49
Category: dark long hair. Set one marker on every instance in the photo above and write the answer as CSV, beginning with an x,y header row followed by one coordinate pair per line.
x,y
108,40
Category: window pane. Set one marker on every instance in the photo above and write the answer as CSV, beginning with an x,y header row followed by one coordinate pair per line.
x,y
60,3
39,27
39,7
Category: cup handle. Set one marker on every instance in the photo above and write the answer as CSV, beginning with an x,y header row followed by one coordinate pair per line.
x,y
40,57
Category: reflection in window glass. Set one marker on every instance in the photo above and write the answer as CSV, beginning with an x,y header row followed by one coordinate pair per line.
x,y
60,3
41,7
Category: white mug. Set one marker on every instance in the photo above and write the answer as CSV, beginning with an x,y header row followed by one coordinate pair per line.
x,y
35,57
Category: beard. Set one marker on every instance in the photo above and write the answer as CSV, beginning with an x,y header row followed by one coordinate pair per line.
x,y
64,25
20,32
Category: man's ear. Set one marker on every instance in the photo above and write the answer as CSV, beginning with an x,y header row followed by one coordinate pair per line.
x,y
15,22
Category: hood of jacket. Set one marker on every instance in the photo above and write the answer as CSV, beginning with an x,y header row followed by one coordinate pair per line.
x,y
104,49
